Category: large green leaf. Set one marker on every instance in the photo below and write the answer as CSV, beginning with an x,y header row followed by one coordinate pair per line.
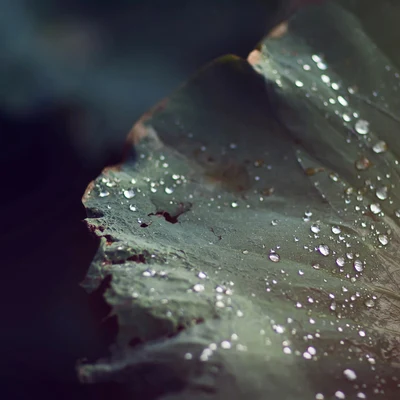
x,y
253,246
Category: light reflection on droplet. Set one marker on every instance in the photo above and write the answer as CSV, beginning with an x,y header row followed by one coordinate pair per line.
x,y
336,230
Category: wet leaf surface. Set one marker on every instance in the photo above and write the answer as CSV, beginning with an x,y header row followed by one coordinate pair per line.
x,y
252,248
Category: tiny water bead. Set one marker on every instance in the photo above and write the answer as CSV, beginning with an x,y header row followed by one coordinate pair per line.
x,y
234,204
375,208
336,230
383,240
104,193
129,194
340,261
324,249
274,257
369,303
380,147
382,193
315,228
362,164
362,127
132,207
358,265
350,374
340,395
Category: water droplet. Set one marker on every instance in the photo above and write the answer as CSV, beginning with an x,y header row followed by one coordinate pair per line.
x,y
342,101
274,257
375,208
306,67
361,395
340,395
319,396
340,261
316,266
358,265
169,190
361,333
324,249
132,207
202,275
383,240
362,127
274,222
382,193
316,58
299,83
226,345
325,79
129,194
278,328
234,204
322,66
380,147
362,164
104,193
335,86
336,230
315,228
350,374
369,303
198,288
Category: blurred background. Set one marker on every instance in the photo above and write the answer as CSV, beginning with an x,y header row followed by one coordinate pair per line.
x,y
74,78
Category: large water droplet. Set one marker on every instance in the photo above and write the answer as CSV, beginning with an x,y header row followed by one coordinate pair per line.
x,y
362,127
336,230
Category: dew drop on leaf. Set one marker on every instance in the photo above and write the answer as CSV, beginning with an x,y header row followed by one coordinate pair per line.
x,y
380,147
324,249
350,374
274,257
362,127
383,240
375,208
129,194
